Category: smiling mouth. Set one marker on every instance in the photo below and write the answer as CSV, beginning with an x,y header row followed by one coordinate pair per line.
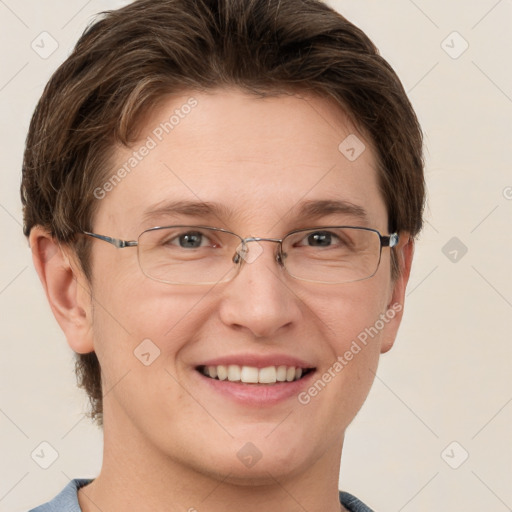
x,y
253,375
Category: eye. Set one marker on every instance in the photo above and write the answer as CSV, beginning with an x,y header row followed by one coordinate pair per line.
x,y
190,240
320,239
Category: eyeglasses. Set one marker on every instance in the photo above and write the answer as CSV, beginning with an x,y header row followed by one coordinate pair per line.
x,y
195,255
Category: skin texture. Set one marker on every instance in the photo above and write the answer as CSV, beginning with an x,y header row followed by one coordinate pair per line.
x,y
171,442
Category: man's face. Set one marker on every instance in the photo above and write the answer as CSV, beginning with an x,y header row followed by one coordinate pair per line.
x,y
257,161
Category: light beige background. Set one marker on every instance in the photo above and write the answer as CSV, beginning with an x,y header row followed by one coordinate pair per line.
x,y
448,377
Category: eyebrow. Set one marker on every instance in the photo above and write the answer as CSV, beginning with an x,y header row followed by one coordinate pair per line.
x,y
304,210
189,208
323,208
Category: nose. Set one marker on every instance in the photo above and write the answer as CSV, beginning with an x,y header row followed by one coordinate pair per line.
x,y
259,299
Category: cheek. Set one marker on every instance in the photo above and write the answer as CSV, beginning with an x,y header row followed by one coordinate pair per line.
x,y
351,322
348,320
347,312
138,316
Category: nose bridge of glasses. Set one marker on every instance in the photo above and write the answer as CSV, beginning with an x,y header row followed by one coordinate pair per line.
x,y
261,239
243,250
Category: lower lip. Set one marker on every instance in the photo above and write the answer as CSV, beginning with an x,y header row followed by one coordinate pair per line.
x,y
257,394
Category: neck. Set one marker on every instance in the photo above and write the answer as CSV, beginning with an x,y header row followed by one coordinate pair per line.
x,y
135,476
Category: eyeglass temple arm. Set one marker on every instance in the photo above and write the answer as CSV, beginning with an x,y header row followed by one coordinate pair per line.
x,y
116,242
389,241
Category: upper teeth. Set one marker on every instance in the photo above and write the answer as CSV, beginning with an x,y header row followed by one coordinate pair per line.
x,y
253,375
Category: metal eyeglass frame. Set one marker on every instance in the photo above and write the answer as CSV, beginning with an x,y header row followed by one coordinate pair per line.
x,y
385,241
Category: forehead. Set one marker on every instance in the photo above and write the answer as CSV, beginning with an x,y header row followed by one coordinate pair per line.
x,y
257,159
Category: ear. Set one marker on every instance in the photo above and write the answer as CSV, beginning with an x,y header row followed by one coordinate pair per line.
x,y
67,289
395,309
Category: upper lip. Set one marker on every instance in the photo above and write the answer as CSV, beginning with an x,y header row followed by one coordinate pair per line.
x,y
258,361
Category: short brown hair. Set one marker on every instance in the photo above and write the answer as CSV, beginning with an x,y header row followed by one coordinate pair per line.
x,y
129,59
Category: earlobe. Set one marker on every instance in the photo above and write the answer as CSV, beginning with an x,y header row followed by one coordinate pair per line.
x,y
395,309
66,289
